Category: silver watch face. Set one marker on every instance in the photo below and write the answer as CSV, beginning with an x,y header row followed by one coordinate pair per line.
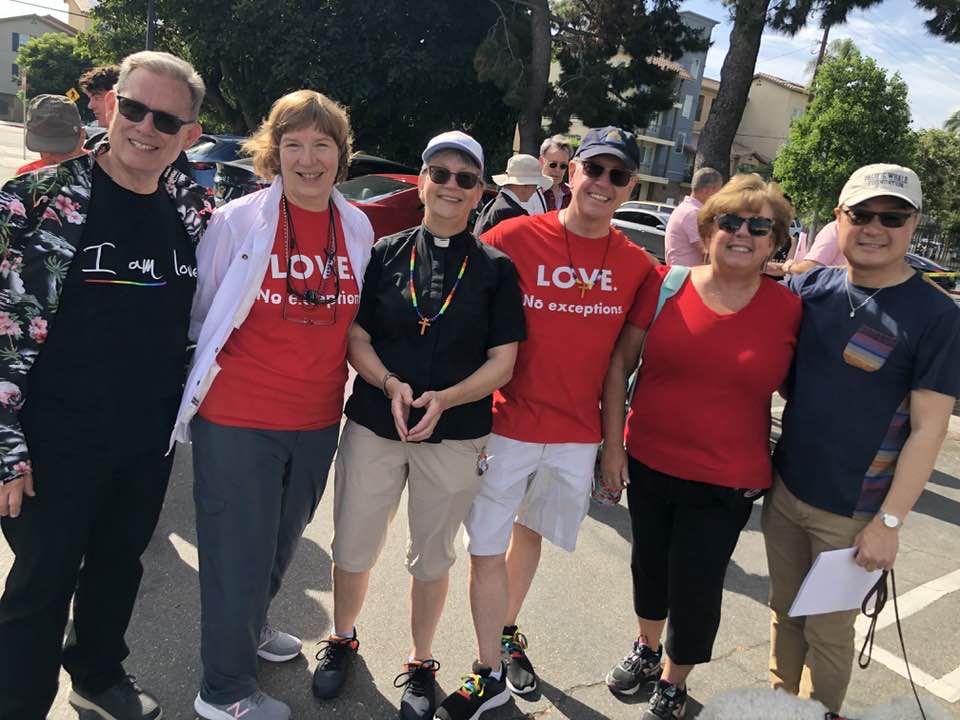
x,y
891,521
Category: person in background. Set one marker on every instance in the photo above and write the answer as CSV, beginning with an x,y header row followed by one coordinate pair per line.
x,y
520,193
683,244
280,273
825,252
697,437
95,84
53,130
555,154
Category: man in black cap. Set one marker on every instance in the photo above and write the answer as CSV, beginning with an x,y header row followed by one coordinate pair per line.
x,y
53,130
579,276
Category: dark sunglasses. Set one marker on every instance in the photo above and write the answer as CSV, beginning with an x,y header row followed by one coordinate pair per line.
x,y
756,226
555,165
163,121
618,176
887,219
465,180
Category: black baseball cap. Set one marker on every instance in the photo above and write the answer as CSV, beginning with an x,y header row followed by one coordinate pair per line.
x,y
611,140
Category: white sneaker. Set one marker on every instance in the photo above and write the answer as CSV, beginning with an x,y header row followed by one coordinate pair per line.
x,y
278,646
258,706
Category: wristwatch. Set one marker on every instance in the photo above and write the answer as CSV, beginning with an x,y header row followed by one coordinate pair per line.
x,y
890,520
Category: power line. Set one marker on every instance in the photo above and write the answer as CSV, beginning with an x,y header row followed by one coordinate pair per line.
x,y
45,7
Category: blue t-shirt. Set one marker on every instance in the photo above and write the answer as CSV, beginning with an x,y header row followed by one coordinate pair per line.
x,y
848,408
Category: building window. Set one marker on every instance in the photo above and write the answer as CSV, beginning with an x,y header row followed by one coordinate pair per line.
x,y
687,105
695,68
15,72
19,40
699,108
681,141
797,112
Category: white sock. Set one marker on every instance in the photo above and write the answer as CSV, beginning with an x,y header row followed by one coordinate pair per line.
x,y
498,673
347,635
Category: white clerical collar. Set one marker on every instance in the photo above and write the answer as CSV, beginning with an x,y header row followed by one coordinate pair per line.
x,y
441,242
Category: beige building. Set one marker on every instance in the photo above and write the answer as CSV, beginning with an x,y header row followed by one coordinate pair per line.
x,y
77,13
14,33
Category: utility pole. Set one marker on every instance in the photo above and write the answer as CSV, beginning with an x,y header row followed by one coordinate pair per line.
x,y
823,51
150,24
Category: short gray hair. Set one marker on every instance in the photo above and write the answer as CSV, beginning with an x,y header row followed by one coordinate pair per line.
x,y
161,63
706,177
557,141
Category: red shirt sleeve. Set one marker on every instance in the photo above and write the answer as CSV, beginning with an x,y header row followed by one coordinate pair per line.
x,y
494,238
645,301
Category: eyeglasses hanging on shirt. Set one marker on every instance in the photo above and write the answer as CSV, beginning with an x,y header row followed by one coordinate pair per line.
x,y
302,303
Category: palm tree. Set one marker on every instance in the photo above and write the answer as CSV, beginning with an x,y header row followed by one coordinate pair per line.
x,y
839,48
952,123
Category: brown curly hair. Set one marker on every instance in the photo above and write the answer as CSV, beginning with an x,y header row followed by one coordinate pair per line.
x,y
296,111
747,192
99,79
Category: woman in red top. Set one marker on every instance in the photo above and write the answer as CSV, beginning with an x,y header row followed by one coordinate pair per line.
x,y
278,288
697,433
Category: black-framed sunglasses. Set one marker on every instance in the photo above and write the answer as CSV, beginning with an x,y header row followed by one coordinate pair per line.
x,y
135,111
756,225
618,176
859,216
554,165
464,179
311,307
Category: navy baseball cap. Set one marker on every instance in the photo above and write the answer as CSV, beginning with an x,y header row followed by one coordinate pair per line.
x,y
611,141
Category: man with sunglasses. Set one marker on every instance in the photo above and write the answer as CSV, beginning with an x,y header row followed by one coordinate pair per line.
x,y
96,302
869,398
682,243
555,155
580,277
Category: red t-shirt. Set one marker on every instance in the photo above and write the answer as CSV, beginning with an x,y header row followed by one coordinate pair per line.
x,y
554,396
277,374
701,410
31,166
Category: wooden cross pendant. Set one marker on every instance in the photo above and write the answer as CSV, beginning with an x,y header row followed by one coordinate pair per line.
x,y
584,286
424,324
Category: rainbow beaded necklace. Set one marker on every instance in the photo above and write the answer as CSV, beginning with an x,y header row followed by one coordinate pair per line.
x,y
424,321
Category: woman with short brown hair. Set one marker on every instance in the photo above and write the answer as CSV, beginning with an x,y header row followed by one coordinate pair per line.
x,y
279,284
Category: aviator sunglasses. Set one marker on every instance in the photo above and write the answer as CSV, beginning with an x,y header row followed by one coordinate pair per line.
x,y
135,111
756,226
618,176
465,180
887,219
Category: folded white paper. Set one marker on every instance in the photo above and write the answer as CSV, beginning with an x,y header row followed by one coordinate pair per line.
x,y
835,582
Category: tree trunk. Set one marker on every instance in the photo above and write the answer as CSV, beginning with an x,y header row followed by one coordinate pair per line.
x,y
538,75
736,76
219,103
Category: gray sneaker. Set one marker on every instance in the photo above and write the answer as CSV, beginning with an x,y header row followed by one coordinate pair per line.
x,y
278,646
258,706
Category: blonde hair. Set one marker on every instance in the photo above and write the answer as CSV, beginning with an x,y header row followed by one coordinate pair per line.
x,y
296,111
747,192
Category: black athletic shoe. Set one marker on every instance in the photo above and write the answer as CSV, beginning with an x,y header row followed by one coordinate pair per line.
x,y
638,668
123,701
521,678
336,656
668,702
419,690
478,693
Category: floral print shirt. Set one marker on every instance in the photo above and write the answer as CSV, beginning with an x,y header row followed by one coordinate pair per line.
x,y
42,215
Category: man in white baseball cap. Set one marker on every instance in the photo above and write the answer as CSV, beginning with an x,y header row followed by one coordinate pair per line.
x,y
875,377
520,193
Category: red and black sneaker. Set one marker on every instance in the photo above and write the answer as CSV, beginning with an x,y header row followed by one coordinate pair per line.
x,y
419,690
336,656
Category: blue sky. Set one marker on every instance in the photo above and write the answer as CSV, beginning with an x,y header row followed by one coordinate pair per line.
x,y
892,33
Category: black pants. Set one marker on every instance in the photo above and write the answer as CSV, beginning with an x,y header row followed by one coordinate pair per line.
x,y
684,534
81,537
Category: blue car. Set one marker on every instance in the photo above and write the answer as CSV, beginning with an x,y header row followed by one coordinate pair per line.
x,y
208,151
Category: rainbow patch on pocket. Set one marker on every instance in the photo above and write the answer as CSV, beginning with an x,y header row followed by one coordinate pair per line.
x,y
868,349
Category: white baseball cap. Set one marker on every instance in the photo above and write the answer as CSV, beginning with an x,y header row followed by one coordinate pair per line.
x,y
523,170
881,180
454,140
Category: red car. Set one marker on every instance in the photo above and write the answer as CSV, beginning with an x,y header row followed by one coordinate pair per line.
x,y
391,202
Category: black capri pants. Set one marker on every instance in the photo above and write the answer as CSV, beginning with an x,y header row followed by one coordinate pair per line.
x,y
684,533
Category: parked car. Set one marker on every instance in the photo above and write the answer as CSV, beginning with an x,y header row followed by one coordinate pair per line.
x,y
207,151
646,228
942,276
391,202
234,179
662,208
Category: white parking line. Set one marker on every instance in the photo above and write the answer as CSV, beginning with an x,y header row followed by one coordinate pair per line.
x,y
186,550
946,687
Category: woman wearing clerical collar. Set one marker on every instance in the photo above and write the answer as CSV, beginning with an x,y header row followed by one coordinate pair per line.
x,y
436,333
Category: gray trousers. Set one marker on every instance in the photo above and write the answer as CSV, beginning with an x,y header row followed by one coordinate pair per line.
x,y
255,491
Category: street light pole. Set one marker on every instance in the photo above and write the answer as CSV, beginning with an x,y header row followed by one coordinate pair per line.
x,y
150,24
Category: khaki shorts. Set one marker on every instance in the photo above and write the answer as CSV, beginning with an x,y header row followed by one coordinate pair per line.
x,y
545,487
371,473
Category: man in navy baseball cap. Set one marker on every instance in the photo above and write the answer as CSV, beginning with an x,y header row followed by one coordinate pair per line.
x,y
610,141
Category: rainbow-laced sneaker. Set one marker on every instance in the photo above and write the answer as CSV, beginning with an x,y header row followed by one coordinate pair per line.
x,y
521,677
478,692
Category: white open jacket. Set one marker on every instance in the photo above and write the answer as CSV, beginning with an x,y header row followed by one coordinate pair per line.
x,y
232,259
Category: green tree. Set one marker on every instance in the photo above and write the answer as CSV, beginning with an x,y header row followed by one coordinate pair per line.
x,y
840,47
936,162
53,64
952,123
858,116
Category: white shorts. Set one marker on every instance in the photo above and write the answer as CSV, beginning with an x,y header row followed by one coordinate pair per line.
x,y
545,487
